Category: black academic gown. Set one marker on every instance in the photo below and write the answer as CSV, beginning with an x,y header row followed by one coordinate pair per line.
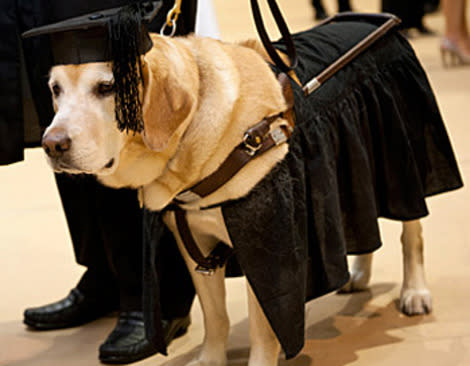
x,y
23,69
369,143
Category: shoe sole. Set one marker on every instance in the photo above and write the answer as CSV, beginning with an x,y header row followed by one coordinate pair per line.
x,y
45,326
121,360
48,326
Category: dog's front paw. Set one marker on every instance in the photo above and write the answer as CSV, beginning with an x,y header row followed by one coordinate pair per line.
x,y
359,281
415,302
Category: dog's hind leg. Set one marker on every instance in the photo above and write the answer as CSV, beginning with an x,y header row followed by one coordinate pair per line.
x,y
265,347
359,274
211,293
415,296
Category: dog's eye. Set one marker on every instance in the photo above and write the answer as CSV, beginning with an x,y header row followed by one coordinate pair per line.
x,y
104,89
56,90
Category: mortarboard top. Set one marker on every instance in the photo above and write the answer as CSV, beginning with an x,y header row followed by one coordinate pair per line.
x,y
87,38
119,35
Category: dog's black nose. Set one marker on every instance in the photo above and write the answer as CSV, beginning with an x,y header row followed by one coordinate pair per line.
x,y
55,142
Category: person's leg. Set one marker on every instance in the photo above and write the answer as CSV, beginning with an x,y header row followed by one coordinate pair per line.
x,y
320,12
176,287
456,25
403,9
418,15
119,221
344,5
78,196
431,6
96,293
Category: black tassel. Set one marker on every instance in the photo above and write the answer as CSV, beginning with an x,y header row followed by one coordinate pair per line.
x,y
126,38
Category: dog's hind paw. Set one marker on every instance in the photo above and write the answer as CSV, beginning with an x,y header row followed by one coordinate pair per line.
x,y
359,281
415,302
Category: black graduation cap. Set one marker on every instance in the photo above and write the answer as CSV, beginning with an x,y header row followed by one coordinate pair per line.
x,y
119,35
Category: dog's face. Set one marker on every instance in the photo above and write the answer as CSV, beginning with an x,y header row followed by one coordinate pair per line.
x,y
83,136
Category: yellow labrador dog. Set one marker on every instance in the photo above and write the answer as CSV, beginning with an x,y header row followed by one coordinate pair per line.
x,y
200,96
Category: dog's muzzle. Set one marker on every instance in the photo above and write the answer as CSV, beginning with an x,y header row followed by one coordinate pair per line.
x,y
56,142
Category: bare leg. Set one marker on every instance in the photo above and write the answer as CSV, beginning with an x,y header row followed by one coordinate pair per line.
x,y
360,274
415,297
265,347
456,24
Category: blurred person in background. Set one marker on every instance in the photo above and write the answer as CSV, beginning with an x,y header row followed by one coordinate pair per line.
x,y
410,12
431,6
455,45
320,12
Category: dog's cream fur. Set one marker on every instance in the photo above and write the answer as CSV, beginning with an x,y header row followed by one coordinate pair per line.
x,y
199,97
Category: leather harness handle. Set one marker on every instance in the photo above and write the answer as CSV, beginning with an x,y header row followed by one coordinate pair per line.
x,y
286,35
377,19
385,23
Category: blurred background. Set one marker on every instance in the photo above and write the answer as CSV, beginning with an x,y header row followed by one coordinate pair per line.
x,y
37,263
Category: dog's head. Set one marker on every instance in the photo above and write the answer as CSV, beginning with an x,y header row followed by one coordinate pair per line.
x,y
84,136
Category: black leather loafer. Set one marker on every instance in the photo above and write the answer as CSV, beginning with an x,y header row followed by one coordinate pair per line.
x,y
76,309
127,342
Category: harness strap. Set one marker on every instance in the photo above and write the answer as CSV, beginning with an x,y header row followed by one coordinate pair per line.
x,y
205,265
257,140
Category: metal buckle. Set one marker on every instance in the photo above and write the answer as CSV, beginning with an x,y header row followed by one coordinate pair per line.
x,y
251,149
204,270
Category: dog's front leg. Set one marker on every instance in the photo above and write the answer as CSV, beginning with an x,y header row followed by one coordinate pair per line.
x,y
415,296
264,344
211,294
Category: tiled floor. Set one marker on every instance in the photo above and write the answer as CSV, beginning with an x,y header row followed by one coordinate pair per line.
x,y
37,265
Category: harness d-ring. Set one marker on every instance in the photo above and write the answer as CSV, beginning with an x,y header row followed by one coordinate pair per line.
x,y
173,29
171,19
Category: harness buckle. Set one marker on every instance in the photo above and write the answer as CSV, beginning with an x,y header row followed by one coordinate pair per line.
x,y
204,270
252,143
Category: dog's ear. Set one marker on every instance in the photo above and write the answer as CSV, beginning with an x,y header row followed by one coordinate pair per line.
x,y
167,103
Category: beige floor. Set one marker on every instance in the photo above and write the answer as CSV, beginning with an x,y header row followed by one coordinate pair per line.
x,y
37,265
